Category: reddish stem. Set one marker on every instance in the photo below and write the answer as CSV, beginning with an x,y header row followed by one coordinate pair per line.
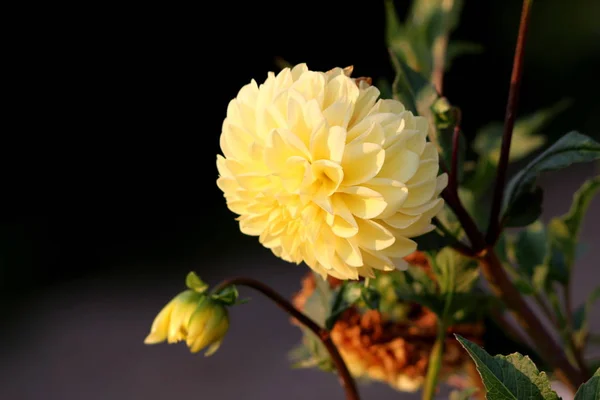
x,y
346,379
494,227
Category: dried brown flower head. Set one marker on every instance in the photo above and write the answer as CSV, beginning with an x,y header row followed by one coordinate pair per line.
x,y
380,346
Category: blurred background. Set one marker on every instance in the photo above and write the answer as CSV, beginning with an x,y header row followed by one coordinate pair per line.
x,y
110,179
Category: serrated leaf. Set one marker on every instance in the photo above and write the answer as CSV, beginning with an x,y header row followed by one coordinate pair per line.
x,y
571,148
563,231
194,282
512,377
591,389
346,296
581,325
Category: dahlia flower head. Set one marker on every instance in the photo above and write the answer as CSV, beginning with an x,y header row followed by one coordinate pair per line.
x,y
326,173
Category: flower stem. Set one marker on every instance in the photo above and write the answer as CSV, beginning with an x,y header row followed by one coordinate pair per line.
x,y
346,379
435,364
552,352
509,123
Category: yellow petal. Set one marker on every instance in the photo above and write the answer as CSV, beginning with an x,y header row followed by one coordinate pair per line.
x,y
373,133
361,162
364,103
327,177
340,88
281,145
160,326
373,236
362,202
401,221
338,114
235,141
393,192
348,251
295,173
427,171
377,260
253,182
342,223
418,210
420,193
328,144
400,248
400,164
311,85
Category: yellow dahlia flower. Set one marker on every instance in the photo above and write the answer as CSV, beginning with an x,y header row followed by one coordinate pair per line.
x,y
194,317
325,173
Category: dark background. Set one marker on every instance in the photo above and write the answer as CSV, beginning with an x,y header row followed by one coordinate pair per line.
x,y
109,178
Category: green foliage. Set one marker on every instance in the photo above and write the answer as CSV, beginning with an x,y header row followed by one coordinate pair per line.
x,y
412,89
479,175
509,377
345,297
591,389
454,298
564,231
581,325
229,296
421,38
571,148
446,118
193,282
546,254
526,137
464,394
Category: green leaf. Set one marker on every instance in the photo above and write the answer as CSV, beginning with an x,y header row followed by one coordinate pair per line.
x,y
385,88
318,304
571,148
448,261
526,137
581,324
412,89
370,297
509,377
526,209
458,48
464,394
229,296
193,281
347,295
311,353
564,231
530,248
591,389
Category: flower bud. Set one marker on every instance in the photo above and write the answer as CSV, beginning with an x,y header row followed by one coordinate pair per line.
x,y
193,317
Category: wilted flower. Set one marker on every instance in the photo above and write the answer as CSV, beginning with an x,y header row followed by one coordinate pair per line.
x,y
324,172
393,345
192,316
